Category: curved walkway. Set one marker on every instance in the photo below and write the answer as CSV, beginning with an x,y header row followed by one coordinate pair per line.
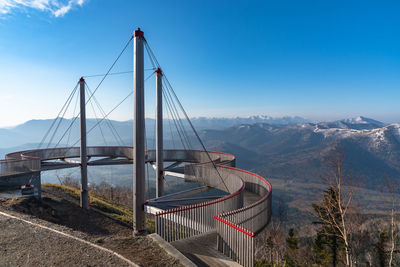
x,y
236,224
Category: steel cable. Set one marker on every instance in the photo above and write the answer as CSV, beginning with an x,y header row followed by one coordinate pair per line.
x,y
58,115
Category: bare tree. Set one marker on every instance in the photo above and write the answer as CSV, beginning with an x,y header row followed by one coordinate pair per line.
x,y
271,244
391,189
68,180
334,211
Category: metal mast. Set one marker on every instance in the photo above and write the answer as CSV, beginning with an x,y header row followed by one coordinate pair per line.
x,y
138,134
84,179
159,137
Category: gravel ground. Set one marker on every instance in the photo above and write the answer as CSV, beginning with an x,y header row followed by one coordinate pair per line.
x,y
22,244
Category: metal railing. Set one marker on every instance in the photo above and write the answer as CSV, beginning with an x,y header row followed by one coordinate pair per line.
x,y
29,160
236,225
191,220
19,166
236,229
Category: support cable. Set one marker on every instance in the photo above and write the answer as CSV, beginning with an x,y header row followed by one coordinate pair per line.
x,y
168,111
104,77
180,133
173,110
97,119
155,64
110,74
194,130
114,73
106,115
58,116
171,133
94,126
59,123
179,120
176,118
183,140
73,116
176,126
108,121
184,112
112,66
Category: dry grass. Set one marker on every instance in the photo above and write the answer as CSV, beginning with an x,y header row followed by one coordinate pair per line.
x,y
118,211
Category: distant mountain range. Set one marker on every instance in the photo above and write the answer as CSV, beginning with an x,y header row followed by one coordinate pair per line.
x,y
295,151
287,148
202,123
34,130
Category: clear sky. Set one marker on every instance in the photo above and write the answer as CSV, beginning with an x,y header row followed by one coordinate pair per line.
x,y
321,60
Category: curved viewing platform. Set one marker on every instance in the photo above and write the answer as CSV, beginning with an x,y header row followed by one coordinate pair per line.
x,y
236,224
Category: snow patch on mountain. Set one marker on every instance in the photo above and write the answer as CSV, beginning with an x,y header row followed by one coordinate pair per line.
x,y
363,120
377,139
337,132
395,128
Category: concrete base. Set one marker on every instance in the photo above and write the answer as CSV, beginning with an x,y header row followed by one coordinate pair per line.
x,y
139,233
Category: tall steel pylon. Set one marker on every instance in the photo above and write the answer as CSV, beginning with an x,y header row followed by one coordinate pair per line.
x,y
159,137
83,152
138,134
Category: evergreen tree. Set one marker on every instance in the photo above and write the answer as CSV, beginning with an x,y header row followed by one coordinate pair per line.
x,y
381,248
327,244
322,250
292,248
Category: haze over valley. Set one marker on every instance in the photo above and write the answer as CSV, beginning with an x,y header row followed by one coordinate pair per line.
x,y
288,148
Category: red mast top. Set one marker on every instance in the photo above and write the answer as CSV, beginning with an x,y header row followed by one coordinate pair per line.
x,y
159,71
138,33
81,79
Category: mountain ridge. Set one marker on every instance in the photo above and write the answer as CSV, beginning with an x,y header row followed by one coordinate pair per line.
x,y
297,150
33,131
292,150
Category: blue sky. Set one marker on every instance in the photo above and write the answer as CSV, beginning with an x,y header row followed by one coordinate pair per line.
x,y
322,60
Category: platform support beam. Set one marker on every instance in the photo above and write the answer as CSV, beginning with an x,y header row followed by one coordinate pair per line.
x,y
138,134
84,202
159,137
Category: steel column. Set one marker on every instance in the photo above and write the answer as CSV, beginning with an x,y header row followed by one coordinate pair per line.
x,y
83,151
138,134
159,137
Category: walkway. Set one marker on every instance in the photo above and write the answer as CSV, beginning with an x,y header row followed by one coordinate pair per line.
x,y
202,249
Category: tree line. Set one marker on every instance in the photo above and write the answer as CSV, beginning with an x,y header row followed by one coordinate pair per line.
x,y
343,235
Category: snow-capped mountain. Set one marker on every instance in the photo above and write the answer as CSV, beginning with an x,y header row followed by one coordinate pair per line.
x,y
372,148
220,123
362,120
358,123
